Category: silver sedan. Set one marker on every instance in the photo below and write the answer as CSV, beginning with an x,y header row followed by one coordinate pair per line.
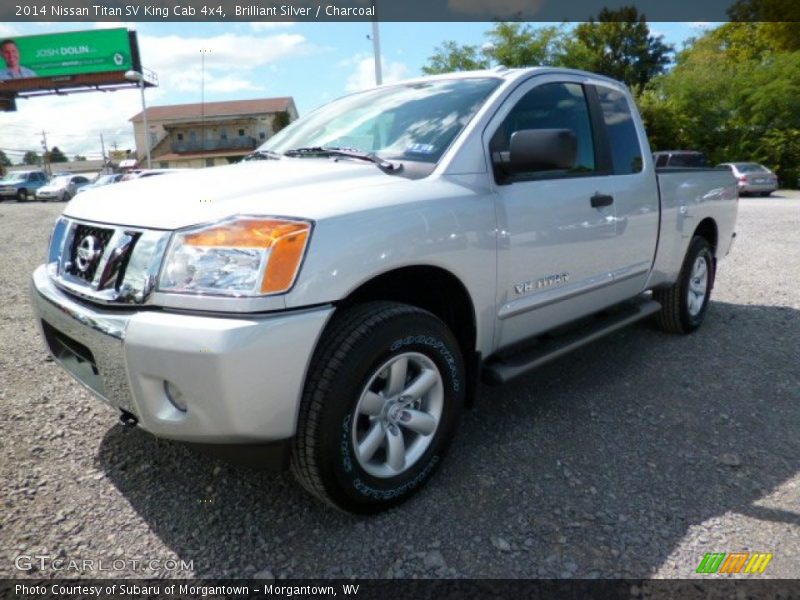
x,y
752,178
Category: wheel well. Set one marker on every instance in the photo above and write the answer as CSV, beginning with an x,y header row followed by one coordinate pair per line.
x,y
708,229
430,288
438,291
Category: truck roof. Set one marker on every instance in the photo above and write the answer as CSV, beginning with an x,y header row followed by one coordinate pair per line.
x,y
503,72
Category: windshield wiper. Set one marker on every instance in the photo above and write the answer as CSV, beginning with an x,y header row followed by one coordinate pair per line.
x,y
383,164
263,155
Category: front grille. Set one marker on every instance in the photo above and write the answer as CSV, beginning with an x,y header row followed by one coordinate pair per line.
x,y
102,235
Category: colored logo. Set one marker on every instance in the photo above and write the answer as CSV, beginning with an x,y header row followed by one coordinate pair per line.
x,y
738,562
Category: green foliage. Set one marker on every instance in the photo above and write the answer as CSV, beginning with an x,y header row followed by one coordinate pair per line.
x,y
78,157
520,45
618,44
779,149
31,158
280,120
735,95
451,56
56,156
4,160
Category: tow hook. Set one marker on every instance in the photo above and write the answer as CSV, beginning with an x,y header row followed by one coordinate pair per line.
x,y
127,419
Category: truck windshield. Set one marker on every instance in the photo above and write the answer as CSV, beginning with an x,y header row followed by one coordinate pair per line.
x,y
414,121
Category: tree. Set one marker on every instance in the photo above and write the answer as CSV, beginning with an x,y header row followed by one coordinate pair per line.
x,y
78,157
451,56
31,158
56,156
619,44
280,120
733,94
520,45
4,160
510,44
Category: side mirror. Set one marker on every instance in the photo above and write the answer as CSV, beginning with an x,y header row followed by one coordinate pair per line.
x,y
541,150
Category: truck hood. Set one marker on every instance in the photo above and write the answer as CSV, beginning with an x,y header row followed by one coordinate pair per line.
x,y
309,188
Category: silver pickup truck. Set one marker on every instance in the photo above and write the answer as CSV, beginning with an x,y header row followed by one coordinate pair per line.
x,y
332,303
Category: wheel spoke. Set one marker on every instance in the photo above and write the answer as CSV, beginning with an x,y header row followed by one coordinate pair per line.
x,y
373,440
372,404
700,269
397,376
418,421
692,303
396,450
426,380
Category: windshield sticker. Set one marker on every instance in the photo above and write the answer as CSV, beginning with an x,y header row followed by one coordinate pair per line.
x,y
420,149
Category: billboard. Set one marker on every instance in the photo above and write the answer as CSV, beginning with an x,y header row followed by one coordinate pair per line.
x,y
65,54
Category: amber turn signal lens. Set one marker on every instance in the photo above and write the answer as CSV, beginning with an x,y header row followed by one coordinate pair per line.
x,y
285,240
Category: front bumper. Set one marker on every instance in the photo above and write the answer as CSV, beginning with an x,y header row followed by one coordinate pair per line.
x,y
241,376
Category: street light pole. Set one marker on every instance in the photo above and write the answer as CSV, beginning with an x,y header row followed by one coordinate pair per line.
x,y
376,49
136,76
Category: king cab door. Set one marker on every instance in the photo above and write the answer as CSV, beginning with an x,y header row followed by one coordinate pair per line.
x,y
559,240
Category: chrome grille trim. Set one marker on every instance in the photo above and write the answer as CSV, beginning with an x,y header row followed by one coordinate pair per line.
x,y
127,270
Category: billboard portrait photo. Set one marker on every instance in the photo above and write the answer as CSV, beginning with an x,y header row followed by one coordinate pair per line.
x,y
58,60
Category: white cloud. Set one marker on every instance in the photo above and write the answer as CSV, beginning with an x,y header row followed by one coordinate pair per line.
x,y
73,122
701,25
228,51
228,58
363,76
7,30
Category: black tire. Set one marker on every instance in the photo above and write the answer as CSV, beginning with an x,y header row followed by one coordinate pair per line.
x,y
66,197
675,316
355,345
22,195
765,194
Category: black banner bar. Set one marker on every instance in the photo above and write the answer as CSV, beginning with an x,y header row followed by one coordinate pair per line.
x,y
391,10
382,589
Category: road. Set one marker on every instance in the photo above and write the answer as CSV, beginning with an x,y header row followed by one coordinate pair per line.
x,y
631,458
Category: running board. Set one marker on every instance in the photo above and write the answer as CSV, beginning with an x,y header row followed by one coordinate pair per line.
x,y
504,368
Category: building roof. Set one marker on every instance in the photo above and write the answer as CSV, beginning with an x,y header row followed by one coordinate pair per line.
x,y
74,166
216,109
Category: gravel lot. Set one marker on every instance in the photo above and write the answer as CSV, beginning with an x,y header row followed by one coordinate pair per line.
x,y
632,457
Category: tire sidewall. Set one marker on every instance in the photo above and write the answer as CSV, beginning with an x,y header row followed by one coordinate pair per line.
x,y
349,484
698,248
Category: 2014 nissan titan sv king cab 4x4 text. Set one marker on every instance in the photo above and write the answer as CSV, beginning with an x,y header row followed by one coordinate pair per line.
x,y
334,300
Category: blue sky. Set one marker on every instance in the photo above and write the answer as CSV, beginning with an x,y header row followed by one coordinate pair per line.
x,y
313,62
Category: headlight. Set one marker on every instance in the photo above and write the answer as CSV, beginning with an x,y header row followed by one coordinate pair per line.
x,y
244,256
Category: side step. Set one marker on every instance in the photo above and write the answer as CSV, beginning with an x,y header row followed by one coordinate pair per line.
x,y
505,367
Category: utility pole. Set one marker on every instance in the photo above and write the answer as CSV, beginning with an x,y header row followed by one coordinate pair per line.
x,y
203,99
376,49
103,151
46,157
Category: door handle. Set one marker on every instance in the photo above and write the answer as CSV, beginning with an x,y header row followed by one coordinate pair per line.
x,y
599,200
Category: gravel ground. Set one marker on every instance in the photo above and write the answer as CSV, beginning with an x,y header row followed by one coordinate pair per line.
x,y
630,458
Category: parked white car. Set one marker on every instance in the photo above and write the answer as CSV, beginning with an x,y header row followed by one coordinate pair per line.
x,y
101,181
62,188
